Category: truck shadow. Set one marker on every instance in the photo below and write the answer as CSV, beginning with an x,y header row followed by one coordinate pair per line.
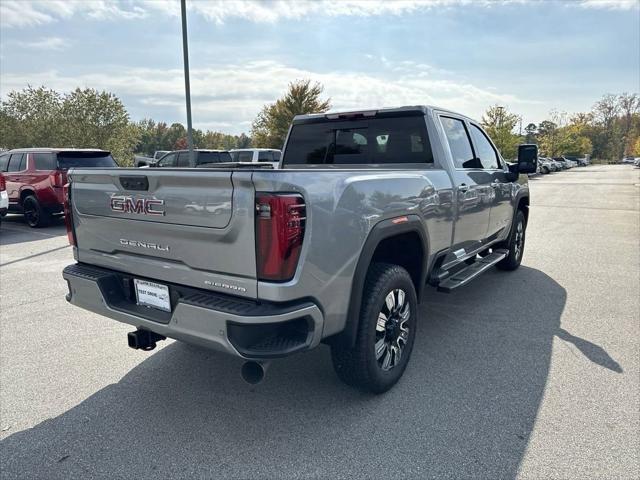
x,y
464,409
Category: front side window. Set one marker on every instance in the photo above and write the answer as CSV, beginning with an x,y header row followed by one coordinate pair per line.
x,y
485,151
459,143
379,141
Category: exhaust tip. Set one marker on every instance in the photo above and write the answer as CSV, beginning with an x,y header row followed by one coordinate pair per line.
x,y
253,372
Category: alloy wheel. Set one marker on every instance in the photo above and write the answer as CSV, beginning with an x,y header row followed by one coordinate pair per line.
x,y
392,329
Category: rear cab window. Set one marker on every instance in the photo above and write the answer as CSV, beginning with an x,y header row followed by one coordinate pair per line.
x,y
67,160
375,141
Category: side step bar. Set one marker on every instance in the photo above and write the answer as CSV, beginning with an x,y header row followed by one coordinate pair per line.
x,y
465,275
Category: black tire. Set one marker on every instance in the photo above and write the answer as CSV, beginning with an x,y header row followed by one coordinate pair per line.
x,y
515,244
545,170
361,366
34,214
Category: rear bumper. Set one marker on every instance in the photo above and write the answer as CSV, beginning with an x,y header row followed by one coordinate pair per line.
x,y
240,327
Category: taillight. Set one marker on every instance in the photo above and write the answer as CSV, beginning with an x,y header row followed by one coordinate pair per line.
x,y
58,179
3,183
280,223
68,219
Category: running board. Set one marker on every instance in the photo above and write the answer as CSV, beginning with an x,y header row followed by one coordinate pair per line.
x,y
464,276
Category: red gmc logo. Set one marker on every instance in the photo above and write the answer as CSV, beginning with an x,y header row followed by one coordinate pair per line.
x,y
141,206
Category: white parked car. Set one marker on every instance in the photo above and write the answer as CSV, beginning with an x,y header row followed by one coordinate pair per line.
x,y
254,155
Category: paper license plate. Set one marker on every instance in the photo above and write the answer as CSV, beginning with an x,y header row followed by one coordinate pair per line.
x,y
151,294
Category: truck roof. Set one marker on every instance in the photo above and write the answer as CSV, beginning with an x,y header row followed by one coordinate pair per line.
x,y
372,112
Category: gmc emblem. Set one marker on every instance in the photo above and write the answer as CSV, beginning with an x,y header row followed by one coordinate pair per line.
x,y
141,206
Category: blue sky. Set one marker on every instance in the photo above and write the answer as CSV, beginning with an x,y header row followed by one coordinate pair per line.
x,y
531,56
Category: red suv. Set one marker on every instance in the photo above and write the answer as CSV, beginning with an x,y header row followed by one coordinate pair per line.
x,y
35,177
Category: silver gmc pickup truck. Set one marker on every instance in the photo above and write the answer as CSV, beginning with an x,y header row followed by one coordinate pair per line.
x,y
368,209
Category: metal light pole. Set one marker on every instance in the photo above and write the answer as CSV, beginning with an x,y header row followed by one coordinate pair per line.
x,y
187,86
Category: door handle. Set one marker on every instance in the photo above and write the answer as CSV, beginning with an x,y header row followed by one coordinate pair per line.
x,y
463,188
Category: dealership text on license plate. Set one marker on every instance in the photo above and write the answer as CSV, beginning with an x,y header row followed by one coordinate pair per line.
x,y
152,294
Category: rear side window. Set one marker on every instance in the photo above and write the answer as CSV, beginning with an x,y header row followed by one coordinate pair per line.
x,y
4,162
208,157
44,161
265,157
459,143
15,162
377,141
68,160
168,160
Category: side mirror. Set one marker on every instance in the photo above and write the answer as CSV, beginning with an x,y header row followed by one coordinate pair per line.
x,y
527,158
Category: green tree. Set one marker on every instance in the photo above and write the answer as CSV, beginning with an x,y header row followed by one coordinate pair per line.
x,y
93,119
530,133
270,127
547,132
499,124
30,118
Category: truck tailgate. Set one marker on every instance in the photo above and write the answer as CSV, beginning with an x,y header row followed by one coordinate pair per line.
x,y
192,227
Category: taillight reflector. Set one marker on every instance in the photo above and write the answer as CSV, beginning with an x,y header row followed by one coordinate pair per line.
x,y
280,224
68,219
3,183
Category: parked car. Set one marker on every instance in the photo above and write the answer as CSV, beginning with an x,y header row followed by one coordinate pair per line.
x,y
630,160
4,198
142,161
636,161
35,178
564,165
337,246
254,155
203,158
545,165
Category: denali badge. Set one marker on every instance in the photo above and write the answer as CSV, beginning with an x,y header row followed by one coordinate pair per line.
x,y
142,206
225,285
148,245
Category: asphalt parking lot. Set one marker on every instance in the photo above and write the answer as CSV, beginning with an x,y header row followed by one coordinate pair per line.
x,y
530,374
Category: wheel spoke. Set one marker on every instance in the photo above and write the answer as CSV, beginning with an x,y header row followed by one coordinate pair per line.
x,y
390,301
381,347
382,322
401,298
397,353
386,363
404,315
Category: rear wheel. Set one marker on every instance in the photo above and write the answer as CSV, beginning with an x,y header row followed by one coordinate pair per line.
x,y
515,244
386,331
34,214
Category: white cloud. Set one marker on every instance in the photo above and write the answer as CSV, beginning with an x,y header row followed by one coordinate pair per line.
x,y
46,43
23,13
229,96
27,13
610,4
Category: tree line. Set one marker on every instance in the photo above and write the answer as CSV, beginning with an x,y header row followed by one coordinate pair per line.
x,y
87,118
